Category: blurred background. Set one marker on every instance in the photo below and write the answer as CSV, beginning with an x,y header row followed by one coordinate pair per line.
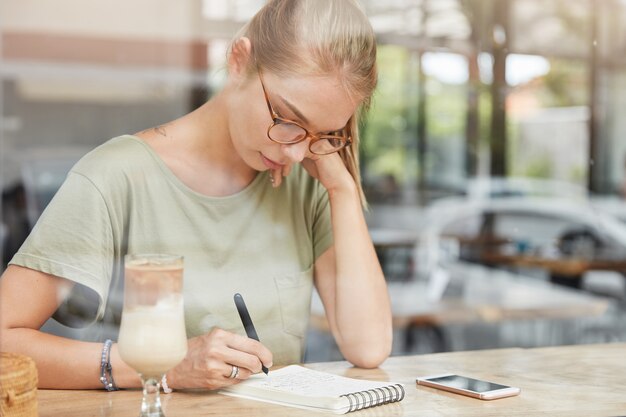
x,y
493,157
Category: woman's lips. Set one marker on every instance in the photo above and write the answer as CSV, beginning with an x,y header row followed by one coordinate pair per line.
x,y
271,164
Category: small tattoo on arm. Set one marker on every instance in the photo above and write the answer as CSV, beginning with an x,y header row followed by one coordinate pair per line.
x,y
161,130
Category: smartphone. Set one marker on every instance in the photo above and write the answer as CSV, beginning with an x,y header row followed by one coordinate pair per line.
x,y
471,387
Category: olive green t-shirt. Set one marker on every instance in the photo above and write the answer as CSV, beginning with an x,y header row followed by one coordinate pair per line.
x,y
261,242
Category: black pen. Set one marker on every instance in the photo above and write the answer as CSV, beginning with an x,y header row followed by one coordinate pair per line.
x,y
247,322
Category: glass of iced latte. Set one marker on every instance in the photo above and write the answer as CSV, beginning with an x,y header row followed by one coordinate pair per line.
x,y
152,336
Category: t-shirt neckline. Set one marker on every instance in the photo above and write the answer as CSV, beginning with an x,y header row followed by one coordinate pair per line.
x,y
250,188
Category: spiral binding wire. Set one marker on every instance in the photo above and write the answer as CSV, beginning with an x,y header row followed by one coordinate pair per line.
x,y
377,396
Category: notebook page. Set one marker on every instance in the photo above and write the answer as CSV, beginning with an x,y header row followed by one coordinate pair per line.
x,y
298,386
303,381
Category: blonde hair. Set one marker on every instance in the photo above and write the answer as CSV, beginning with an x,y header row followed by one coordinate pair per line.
x,y
319,37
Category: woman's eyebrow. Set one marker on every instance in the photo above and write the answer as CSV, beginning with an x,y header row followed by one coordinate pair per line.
x,y
294,109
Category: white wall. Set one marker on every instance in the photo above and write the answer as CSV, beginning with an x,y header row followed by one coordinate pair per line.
x,y
156,19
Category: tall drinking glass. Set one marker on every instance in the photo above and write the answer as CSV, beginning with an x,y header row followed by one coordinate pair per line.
x,y
152,336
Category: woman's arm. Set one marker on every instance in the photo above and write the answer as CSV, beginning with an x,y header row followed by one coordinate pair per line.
x,y
348,276
27,299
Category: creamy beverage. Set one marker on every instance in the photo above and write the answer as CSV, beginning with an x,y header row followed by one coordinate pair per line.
x,y
152,336
152,339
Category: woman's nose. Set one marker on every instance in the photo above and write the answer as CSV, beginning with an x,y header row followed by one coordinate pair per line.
x,y
297,151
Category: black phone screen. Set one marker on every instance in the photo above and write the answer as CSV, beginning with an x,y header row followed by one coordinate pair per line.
x,y
466,383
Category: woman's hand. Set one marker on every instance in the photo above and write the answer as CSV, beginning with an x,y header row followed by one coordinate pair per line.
x,y
210,359
328,169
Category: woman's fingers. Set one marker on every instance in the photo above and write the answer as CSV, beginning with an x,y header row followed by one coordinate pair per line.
x,y
239,350
276,177
211,357
286,170
250,353
241,373
330,170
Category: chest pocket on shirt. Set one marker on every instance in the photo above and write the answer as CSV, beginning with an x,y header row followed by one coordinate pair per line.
x,y
294,293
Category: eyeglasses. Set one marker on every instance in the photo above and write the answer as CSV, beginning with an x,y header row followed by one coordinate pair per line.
x,y
288,132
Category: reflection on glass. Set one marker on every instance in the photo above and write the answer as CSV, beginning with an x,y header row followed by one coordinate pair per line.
x,y
466,383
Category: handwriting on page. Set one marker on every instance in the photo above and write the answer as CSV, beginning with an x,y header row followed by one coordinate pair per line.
x,y
313,383
299,382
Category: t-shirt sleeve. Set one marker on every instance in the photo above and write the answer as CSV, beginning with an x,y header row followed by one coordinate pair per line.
x,y
322,225
73,239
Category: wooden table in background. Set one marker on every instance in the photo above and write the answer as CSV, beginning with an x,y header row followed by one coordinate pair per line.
x,y
572,267
566,381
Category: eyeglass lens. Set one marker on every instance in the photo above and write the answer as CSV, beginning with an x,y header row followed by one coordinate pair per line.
x,y
292,133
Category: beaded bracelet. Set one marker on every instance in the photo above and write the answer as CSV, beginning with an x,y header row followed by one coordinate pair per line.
x,y
166,388
106,370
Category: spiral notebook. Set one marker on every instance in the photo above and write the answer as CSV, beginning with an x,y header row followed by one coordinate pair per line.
x,y
296,386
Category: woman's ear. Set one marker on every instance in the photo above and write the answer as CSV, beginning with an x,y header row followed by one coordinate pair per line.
x,y
239,56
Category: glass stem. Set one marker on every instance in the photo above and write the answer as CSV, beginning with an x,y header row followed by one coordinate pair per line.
x,y
151,403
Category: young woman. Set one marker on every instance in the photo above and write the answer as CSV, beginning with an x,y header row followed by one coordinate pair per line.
x,y
258,189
